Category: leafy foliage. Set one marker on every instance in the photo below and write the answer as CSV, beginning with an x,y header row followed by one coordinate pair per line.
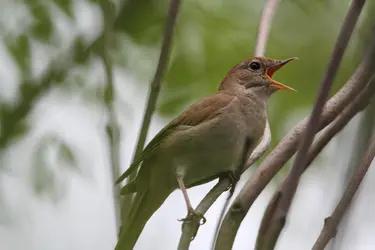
x,y
20,50
42,26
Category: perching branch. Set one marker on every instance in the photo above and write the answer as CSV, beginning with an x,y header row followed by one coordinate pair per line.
x,y
287,147
112,128
331,223
280,212
190,228
360,103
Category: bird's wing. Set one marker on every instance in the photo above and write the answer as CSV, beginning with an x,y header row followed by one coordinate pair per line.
x,y
199,112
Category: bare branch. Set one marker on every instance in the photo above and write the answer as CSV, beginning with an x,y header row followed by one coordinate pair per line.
x,y
359,104
331,223
360,142
287,147
270,223
190,228
265,26
292,180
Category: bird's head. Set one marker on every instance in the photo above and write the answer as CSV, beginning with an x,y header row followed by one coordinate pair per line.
x,y
254,75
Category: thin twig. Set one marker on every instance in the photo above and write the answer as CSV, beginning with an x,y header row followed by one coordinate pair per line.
x,y
155,86
287,147
360,103
362,139
331,223
264,28
112,127
156,82
160,70
292,180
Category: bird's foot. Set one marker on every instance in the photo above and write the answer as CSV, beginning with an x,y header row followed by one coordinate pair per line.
x,y
193,215
233,178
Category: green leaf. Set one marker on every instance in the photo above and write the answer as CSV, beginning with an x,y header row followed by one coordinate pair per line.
x,y
20,130
80,51
20,50
65,6
142,20
42,26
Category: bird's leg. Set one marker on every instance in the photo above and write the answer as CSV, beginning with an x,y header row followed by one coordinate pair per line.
x,y
190,209
184,192
233,177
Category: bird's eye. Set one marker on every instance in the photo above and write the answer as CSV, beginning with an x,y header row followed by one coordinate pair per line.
x,y
254,65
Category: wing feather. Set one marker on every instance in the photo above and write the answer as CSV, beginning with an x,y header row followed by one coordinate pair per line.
x,y
197,113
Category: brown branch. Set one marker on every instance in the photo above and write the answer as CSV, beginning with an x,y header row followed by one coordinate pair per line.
x,y
331,223
292,180
155,86
264,28
270,222
190,228
359,104
287,147
362,139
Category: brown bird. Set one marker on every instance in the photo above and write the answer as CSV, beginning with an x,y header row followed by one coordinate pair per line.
x,y
212,138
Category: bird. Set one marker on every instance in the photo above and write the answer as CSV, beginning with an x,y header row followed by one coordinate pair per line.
x,y
211,139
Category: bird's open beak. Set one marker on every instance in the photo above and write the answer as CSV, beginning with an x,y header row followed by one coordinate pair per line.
x,y
272,69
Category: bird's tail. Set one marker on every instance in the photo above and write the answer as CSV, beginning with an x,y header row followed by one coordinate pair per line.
x,y
144,205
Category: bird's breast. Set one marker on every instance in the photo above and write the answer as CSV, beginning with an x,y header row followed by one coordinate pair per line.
x,y
206,150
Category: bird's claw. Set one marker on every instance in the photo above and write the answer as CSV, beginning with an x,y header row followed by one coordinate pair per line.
x,y
233,178
192,215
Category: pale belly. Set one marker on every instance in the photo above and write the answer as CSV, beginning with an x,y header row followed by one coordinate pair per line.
x,y
209,163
